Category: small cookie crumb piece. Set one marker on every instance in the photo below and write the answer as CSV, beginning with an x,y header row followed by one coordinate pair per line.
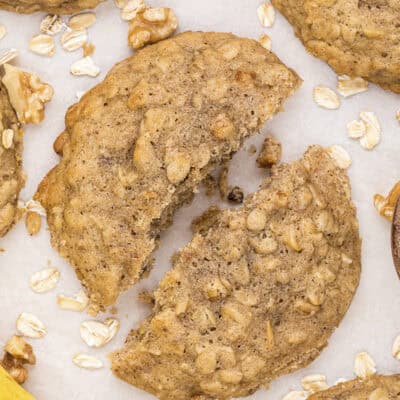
x,y
270,153
236,195
33,222
265,41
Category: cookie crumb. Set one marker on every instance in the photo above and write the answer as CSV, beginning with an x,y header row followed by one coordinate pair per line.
x,y
236,195
270,153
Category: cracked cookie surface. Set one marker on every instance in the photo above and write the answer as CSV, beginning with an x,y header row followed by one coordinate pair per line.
x,y
375,387
257,292
11,176
356,38
50,6
137,145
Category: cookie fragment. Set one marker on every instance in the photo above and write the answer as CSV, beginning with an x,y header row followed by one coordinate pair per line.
x,y
242,305
270,153
145,138
50,6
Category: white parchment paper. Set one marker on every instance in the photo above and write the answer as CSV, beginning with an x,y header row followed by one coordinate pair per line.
x,y
373,320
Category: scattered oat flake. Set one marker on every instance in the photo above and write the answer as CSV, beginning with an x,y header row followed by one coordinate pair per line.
x,y
314,383
44,280
372,134
42,44
120,3
82,21
326,97
77,303
86,361
3,31
132,8
7,55
347,86
266,14
30,326
79,94
296,395
265,41
396,348
51,24
98,334
356,129
7,138
340,155
85,66
364,365
35,206
74,39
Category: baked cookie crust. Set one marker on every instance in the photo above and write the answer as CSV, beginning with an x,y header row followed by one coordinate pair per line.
x,y
12,179
257,292
137,146
356,38
50,6
375,387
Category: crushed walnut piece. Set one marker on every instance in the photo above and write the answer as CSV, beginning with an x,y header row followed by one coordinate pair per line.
x,y
270,153
151,25
17,353
385,205
27,93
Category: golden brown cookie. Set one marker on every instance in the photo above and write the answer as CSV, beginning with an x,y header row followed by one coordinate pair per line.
x,y
357,38
50,6
136,147
11,176
376,387
257,292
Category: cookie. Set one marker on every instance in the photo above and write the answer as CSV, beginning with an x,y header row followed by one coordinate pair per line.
x,y
136,147
50,6
357,38
375,387
257,292
11,176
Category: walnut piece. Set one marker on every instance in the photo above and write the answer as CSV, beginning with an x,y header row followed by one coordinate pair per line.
x,y
385,205
151,26
17,353
27,93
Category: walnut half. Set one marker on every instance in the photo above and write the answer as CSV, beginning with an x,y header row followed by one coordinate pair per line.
x,y
151,26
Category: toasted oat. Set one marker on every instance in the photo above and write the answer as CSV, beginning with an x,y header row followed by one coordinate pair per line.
x,y
372,134
314,383
74,39
3,31
82,21
30,326
340,155
266,14
42,44
396,348
265,41
364,365
7,138
77,303
33,223
356,129
98,334
85,66
86,361
326,97
7,55
51,24
296,395
347,86
385,205
44,280
132,8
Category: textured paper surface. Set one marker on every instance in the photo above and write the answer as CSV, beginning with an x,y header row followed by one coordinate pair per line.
x,y
373,320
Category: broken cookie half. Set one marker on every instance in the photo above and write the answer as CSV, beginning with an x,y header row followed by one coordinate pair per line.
x,y
256,294
137,145
375,387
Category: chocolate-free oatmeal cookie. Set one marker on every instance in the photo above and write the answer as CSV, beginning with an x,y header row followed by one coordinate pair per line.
x,y
257,292
357,38
11,175
136,147
375,387
50,6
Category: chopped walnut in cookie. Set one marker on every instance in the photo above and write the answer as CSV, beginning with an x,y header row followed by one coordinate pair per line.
x,y
27,93
151,26
270,153
17,353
